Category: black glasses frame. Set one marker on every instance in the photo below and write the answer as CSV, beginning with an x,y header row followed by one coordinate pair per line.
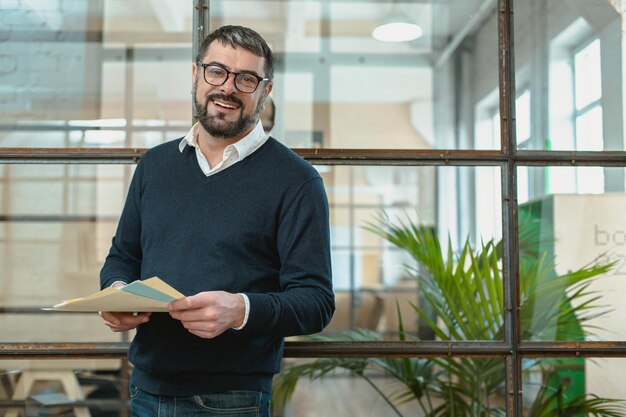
x,y
236,74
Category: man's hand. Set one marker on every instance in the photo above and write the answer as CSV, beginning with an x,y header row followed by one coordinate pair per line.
x,y
209,314
122,322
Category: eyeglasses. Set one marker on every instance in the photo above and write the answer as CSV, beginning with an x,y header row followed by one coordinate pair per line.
x,y
244,81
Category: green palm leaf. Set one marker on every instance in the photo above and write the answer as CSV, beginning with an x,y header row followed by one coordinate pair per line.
x,y
554,403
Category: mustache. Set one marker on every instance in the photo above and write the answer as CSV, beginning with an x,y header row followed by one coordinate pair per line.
x,y
220,96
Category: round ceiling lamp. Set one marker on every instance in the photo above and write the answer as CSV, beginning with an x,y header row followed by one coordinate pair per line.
x,y
397,28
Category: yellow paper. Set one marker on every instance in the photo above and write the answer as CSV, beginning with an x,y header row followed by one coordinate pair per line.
x,y
150,295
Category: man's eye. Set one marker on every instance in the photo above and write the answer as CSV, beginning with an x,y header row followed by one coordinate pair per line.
x,y
248,79
215,71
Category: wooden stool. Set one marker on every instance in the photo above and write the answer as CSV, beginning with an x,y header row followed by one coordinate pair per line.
x,y
67,379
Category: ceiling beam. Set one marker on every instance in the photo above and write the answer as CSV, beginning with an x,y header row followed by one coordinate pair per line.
x,y
483,11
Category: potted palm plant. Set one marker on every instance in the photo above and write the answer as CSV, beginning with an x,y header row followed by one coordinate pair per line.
x,y
464,290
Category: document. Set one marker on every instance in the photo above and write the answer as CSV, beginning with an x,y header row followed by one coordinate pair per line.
x,y
149,295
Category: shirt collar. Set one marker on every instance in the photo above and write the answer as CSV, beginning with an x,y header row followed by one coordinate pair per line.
x,y
244,146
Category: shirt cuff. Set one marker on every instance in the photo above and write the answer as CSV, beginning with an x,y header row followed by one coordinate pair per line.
x,y
118,282
246,300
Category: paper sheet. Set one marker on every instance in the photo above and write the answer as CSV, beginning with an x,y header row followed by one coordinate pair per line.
x,y
150,295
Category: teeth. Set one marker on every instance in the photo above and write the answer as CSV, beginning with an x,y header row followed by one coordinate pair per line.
x,y
222,104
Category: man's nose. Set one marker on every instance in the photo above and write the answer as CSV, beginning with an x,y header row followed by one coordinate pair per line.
x,y
229,84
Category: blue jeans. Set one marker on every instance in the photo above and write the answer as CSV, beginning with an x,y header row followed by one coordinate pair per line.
x,y
222,404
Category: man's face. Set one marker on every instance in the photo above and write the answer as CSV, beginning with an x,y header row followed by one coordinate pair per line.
x,y
223,111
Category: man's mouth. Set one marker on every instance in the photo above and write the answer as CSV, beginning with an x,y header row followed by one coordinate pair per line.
x,y
224,103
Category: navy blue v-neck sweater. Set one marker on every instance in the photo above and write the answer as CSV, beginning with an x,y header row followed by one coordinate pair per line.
x,y
260,227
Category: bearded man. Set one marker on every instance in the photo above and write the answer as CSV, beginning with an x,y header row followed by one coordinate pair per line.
x,y
239,224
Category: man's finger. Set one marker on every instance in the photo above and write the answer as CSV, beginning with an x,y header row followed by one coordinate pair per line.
x,y
123,321
189,315
194,301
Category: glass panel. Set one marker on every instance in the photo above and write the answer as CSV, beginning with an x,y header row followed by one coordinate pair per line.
x,y
523,185
90,74
574,386
150,138
523,119
338,87
368,272
375,275
488,203
56,225
64,216
575,180
30,138
588,79
570,55
567,180
433,387
572,260
51,387
589,130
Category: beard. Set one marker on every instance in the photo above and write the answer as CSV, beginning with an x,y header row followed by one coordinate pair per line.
x,y
217,125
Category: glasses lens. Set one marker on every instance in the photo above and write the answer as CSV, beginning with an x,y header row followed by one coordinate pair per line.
x,y
246,83
215,75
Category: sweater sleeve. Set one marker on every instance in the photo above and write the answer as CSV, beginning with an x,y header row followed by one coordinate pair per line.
x,y
123,262
306,301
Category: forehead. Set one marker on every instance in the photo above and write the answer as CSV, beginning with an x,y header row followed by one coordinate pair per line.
x,y
235,58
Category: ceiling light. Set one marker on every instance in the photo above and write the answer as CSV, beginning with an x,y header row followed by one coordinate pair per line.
x,y
397,27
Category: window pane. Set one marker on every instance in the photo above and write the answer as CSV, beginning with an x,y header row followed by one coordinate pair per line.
x,y
56,226
561,237
564,180
571,57
429,392
488,202
590,180
65,215
338,87
523,185
369,273
374,274
589,130
91,74
109,61
522,119
588,75
572,385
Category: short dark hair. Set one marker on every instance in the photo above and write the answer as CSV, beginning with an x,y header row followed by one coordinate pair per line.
x,y
240,36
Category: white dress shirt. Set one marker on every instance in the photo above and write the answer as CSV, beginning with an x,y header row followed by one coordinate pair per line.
x,y
232,153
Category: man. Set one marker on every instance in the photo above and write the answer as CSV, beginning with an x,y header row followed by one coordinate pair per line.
x,y
236,222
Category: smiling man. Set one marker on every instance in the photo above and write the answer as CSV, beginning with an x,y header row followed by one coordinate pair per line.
x,y
238,223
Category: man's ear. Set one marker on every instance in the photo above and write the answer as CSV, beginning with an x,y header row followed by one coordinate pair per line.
x,y
268,89
194,71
